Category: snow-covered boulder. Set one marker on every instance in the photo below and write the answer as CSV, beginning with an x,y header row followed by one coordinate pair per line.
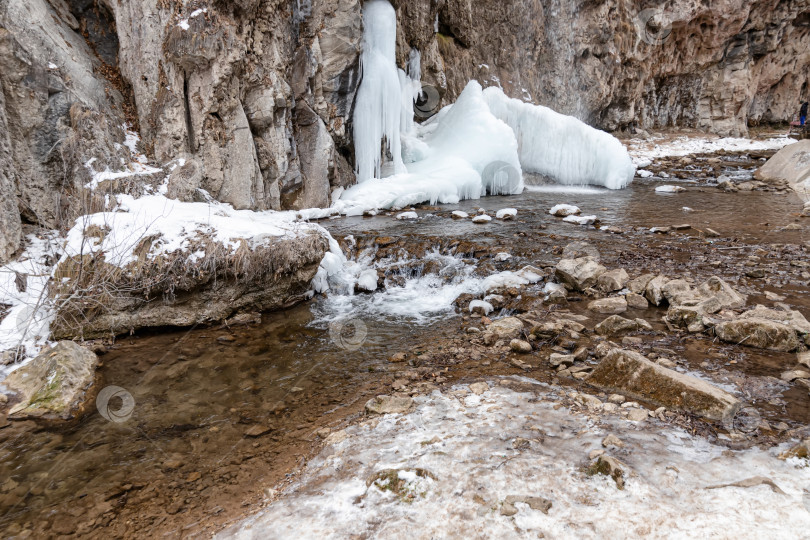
x,y
159,262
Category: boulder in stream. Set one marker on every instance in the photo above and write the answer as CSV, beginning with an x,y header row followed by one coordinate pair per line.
x,y
765,328
631,374
790,166
57,385
579,274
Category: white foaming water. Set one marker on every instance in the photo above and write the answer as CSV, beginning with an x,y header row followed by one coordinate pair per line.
x,y
413,295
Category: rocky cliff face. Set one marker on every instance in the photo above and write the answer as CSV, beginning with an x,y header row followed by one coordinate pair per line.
x,y
257,95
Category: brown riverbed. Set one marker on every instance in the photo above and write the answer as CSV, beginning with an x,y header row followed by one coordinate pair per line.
x,y
223,413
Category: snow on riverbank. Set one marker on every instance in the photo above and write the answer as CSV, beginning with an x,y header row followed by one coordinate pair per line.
x,y
172,227
645,152
24,298
459,456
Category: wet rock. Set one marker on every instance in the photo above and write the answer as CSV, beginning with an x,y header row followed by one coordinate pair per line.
x,y
389,405
506,328
613,305
535,503
639,285
766,328
637,415
636,301
711,233
725,294
790,376
632,374
557,359
615,325
57,385
579,274
578,250
508,509
258,430
520,346
398,357
555,292
654,292
612,440
608,466
613,280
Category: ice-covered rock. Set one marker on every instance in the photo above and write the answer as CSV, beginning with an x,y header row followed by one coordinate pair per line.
x,y
580,220
407,215
609,306
669,189
458,214
483,218
564,210
480,307
506,214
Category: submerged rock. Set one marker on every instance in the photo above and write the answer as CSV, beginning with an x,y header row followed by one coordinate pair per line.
x,y
612,305
631,374
56,385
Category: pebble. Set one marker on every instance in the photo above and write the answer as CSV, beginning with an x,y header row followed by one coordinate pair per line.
x,y
479,388
617,399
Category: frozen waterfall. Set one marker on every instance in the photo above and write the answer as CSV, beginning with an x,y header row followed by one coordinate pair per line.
x,y
561,147
480,145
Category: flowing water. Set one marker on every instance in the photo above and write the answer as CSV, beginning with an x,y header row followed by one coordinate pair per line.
x,y
221,413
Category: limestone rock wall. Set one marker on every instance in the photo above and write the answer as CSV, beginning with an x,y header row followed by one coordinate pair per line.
x,y
258,95
710,65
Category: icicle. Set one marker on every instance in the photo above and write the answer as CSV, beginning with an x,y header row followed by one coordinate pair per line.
x,y
378,112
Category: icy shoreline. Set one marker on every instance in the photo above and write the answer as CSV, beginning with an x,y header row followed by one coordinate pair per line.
x,y
481,449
